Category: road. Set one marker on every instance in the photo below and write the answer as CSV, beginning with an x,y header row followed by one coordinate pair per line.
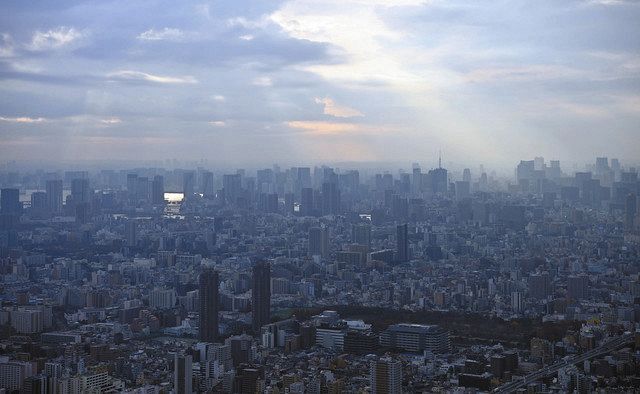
x,y
549,370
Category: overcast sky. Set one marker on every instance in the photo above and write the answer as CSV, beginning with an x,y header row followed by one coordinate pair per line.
x,y
307,81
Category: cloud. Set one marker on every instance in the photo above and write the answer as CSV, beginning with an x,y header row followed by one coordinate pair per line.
x,y
22,119
319,128
54,38
168,34
262,81
338,111
110,121
217,123
129,75
6,45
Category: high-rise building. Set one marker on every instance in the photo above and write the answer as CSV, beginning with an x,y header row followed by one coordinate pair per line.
x,y
261,295
540,285
143,189
80,192
306,201
319,242
402,243
463,190
385,376
131,233
207,186
54,195
466,175
157,190
517,304
630,211
208,292
183,374
188,184
10,201
439,180
361,234
38,202
578,287
13,373
132,186
330,198
232,186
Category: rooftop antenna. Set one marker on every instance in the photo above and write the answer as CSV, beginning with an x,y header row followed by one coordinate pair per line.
x,y
439,159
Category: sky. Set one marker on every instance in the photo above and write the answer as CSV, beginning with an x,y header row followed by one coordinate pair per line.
x,y
307,81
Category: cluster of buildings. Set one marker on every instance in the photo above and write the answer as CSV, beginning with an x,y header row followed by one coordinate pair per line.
x,y
322,280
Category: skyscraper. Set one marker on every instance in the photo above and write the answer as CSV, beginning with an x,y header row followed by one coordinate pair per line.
x,y
385,376
206,186
319,241
261,295
130,229
208,305
54,195
183,374
630,207
188,186
330,198
157,190
10,201
232,185
80,192
402,243
361,234
132,186
466,175
306,201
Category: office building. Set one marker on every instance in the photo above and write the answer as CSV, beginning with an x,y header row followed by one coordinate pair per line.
x,y
206,186
385,376
10,201
402,243
319,242
54,195
330,198
188,184
416,338
183,374
306,202
80,191
261,295
540,285
578,287
361,234
208,292
162,298
131,233
157,190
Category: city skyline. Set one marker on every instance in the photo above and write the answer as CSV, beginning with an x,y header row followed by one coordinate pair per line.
x,y
252,83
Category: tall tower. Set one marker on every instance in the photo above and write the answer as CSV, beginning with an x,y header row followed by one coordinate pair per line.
x,y
319,241
157,190
183,374
261,295
208,305
402,242
10,201
54,195
386,376
188,186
